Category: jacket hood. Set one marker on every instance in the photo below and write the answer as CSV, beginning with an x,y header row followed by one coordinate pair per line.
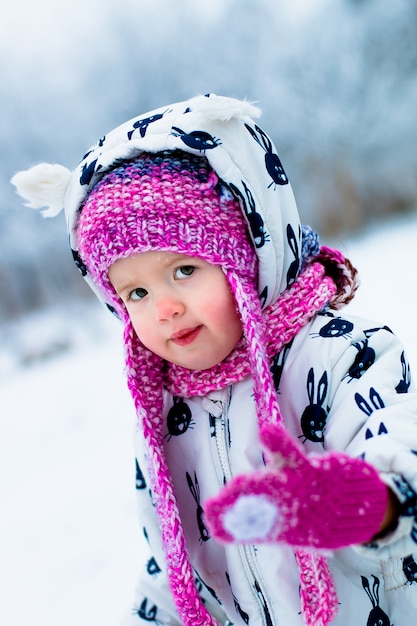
x,y
223,130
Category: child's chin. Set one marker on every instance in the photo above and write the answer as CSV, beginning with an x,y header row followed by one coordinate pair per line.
x,y
197,364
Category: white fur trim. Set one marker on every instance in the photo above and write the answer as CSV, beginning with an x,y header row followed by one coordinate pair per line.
x,y
43,185
251,517
223,109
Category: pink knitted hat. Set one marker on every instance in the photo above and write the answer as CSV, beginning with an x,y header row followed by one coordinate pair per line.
x,y
170,201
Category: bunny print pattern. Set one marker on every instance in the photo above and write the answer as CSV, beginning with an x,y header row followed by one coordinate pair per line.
x,y
354,414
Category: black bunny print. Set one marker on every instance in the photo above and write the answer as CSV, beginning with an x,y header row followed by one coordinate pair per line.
x,y
363,360
179,419
152,567
405,382
313,419
263,296
377,617
88,172
142,124
195,492
370,331
375,399
140,479
408,507
148,615
213,425
99,144
79,262
140,482
255,221
382,430
112,310
197,139
199,586
337,327
278,363
242,613
272,161
87,153
377,403
410,569
293,243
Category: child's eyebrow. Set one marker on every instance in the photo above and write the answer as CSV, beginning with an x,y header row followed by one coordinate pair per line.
x,y
123,285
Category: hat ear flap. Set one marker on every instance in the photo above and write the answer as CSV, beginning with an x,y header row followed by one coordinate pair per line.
x,y
254,327
43,186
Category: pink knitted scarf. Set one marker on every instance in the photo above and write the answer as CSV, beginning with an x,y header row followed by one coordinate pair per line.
x,y
281,320
329,280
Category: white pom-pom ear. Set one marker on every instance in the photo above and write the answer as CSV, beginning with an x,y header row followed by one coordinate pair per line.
x,y
43,186
223,108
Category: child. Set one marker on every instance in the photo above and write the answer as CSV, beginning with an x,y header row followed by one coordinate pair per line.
x,y
276,439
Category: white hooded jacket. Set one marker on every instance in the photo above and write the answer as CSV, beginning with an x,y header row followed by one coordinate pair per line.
x,y
344,384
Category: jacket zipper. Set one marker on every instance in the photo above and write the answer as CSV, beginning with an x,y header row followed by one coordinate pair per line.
x,y
247,552
249,562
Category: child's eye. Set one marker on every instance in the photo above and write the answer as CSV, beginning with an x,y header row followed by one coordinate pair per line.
x,y
184,271
137,294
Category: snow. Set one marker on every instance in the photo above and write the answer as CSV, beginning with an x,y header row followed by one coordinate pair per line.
x,y
69,542
386,259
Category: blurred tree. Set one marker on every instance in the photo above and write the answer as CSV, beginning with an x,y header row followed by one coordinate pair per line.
x,y
337,84
357,72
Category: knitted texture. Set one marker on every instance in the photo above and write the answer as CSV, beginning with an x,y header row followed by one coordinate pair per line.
x,y
173,201
325,502
167,201
279,323
319,601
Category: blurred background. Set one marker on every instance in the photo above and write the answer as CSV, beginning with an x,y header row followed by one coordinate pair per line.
x,y
337,83
336,80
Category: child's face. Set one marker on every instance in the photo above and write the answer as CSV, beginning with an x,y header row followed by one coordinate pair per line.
x,y
181,307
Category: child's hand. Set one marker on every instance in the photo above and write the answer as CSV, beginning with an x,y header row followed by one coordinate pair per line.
x,y
324,502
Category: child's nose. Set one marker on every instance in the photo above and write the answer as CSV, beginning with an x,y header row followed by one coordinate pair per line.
x,y
168,306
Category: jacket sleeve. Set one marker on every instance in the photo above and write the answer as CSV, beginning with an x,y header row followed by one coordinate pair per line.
x,y
360,384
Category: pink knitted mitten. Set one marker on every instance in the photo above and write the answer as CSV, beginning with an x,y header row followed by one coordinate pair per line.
x,y
325,502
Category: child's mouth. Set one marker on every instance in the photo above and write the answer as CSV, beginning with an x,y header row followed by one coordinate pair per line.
x,y
186,336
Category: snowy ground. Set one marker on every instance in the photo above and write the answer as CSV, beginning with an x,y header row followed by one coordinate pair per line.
x,y
68,538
